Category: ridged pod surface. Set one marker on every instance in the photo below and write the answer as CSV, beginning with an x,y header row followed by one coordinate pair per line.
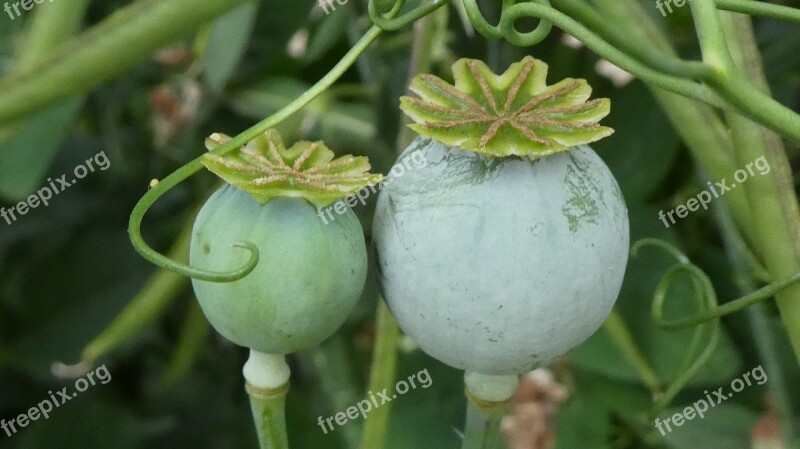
x,y
501,265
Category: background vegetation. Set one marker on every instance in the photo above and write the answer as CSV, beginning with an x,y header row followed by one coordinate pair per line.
x,y
66,271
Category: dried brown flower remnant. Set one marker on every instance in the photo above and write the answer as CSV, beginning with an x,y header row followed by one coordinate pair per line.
x,y
529,423
766,433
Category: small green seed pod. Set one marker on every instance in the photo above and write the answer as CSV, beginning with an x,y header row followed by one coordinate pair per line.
x,y
311,271
310,275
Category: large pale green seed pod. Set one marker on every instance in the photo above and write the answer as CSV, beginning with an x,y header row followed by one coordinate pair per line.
x,y
500,265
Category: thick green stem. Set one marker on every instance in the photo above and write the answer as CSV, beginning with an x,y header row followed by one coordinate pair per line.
x,y
758,318
336,376
772,199
49,28
191,344
146,307
709,33
726,76
108,49
267,378
269,416
382,376
712,146
699,126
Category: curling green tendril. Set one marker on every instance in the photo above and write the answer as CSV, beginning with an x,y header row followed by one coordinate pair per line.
x,y
390,22
139,211
706,321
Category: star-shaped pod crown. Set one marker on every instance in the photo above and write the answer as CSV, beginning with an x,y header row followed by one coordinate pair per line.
x,y
515,113
266,169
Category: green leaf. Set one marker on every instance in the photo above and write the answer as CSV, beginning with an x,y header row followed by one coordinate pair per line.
x,y
331,30
583,423
645,146
27,152
515,113
725,426
84,423
227,43
266,169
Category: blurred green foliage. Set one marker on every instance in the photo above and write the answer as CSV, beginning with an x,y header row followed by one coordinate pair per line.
x,y
67,270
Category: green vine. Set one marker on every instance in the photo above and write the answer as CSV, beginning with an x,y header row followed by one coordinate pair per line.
x,y
706,321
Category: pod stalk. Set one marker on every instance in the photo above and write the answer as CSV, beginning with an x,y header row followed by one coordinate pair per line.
x,y
487,398
267,382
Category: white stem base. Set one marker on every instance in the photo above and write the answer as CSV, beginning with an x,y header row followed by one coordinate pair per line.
x,y
266,371
491,388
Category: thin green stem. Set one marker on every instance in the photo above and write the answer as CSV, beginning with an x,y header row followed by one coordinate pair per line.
x,y
391,23
762,8
757,105
710,334
382,377
594,42
480,23
661,61
530,38
704,289
149,198
622,338
733,306
707,333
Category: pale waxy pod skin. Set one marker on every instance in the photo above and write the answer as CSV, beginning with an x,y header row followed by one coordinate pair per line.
x,y
501,265
309,277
